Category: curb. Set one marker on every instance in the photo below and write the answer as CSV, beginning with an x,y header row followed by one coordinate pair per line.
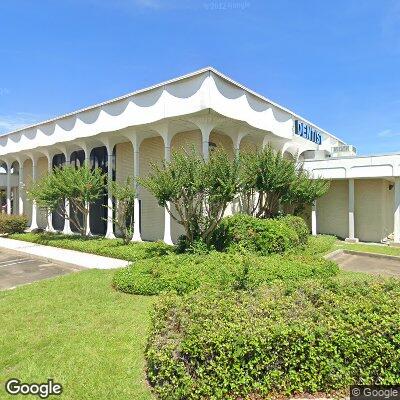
x,y
47,259
59,255
339,252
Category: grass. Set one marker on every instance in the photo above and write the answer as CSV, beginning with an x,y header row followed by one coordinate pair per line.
x,y
114,248
324,244
79,331
369,248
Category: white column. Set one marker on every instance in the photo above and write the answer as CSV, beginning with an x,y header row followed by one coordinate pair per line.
x,y
136,210
67,225
396,236
110,230
8,188
237,137
314,218
351,237
34,224
167,217
20,188
49,227
205,140
87,151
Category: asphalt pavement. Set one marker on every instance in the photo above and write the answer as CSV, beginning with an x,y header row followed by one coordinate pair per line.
x,y
18,268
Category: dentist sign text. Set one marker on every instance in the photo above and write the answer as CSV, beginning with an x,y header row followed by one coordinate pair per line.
x,y
307,132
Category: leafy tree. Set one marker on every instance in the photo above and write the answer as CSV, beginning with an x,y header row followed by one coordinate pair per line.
x,y
80,186
268,180
265,176
304,191
194,191
124,195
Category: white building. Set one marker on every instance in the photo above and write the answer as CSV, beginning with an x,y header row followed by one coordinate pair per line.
x,y
201,109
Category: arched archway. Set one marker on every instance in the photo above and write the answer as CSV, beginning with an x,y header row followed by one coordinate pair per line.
x,y
98,210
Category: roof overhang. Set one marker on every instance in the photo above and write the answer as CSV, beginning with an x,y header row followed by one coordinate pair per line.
x,y
198,92
382,166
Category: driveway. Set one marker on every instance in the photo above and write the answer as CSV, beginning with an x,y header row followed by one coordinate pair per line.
x,y
371,263
19,269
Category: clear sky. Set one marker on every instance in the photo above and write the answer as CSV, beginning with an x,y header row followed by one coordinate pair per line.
x,y
336,63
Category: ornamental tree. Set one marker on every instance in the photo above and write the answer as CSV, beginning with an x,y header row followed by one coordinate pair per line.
x,y
124,195
304,191
268,180
195,191
79,186
265,177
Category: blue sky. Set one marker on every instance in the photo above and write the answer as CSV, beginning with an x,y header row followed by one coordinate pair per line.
x,y
335,63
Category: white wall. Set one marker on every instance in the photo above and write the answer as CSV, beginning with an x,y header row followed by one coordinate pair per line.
x,y
373,209
332,210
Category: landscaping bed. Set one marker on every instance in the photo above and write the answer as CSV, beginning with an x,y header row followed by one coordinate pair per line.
x,y
114,248
187,272
246,322
320,336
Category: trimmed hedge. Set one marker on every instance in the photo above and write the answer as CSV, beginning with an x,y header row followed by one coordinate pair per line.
x,y
13,223
262,236
320,245
318,337
299,225
187,272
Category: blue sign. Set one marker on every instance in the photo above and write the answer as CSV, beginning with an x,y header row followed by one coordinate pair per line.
x,y
307,132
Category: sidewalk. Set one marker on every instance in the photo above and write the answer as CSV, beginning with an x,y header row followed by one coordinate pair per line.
x,y
78,258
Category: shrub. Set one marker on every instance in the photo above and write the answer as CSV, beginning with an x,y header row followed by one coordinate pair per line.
x,y
198,246
12,223
262,236
187,272
299,225
318,337
319,245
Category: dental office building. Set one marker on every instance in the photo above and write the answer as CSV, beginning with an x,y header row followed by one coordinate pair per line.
x,y
205,109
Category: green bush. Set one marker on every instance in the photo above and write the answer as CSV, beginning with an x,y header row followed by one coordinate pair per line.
x,y
187,272
12,223
299,225
262,236
319,245
318,337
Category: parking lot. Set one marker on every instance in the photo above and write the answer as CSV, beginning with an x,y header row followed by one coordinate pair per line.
x,y
19,269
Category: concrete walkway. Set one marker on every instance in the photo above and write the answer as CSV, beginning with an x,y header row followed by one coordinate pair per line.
x,y
61,255
372,263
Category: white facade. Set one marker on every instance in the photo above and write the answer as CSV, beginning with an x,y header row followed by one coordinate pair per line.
x,y
132,131
363,201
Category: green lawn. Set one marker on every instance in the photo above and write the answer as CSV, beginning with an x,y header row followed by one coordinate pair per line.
x,y
368,248
79,331
105,247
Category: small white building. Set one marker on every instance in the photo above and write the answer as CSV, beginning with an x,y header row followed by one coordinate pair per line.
x,y
202,109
